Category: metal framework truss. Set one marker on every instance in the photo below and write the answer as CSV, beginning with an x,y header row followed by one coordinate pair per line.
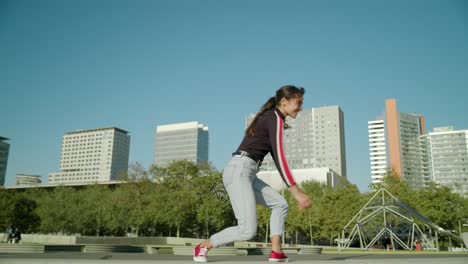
x,y
387,222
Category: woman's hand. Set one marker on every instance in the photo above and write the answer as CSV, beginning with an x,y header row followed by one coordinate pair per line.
x,y
303,201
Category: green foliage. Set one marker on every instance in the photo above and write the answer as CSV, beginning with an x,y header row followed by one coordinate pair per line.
x,y
441,205
263,222
94,207
212,203
57,210
182,168
17,211
342,204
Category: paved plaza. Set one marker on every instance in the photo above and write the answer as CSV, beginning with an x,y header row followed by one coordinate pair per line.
x,y
143,258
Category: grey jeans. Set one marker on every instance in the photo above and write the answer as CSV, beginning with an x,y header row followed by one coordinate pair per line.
x,y
245,191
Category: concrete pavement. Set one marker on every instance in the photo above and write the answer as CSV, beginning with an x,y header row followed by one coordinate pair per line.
x,y
143,258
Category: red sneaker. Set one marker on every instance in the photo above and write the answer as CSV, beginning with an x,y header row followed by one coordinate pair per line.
x,y
200,253
277,257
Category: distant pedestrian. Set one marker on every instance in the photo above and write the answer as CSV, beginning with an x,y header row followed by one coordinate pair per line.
x,y
16,236
9,235
263,136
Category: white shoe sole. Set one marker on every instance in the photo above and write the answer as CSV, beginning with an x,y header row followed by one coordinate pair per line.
x,y
277,260
199,259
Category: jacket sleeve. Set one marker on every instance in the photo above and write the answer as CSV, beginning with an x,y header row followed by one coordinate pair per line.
x,y
275,133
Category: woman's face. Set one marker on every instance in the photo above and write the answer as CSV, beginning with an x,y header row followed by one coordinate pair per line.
x,y
292,106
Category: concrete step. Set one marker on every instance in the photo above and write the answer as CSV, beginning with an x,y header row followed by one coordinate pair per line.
x,y
21,248
221,251
310,251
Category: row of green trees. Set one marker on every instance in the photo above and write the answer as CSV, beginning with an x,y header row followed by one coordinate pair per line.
x,y
184,199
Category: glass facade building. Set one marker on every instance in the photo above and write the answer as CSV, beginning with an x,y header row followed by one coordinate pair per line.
x,y
4,151
183,141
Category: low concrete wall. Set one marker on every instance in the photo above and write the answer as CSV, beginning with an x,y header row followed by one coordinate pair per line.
x,y
73,240
138,240
45,239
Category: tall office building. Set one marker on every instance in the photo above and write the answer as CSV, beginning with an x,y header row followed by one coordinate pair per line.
x,y
394,143
446,152
315,139
4,150
182,141
95,155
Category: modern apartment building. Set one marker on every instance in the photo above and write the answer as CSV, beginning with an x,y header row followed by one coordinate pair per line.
x,y
315,139
393,143
28,179
377,149
95,155
446,154
182,141
4,150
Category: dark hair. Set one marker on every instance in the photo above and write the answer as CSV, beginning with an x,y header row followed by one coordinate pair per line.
x,y
287,91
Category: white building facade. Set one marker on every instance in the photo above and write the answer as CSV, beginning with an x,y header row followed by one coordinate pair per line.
x,y
377,149
447,157
28,179
322,175
95,155
182,141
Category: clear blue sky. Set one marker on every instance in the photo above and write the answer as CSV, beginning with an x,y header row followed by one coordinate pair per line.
x,y
68,65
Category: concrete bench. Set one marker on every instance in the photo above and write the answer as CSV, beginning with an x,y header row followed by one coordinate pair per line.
x,y
63,248
113,248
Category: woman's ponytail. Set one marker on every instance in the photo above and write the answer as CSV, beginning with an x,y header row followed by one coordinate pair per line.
x,y
270,104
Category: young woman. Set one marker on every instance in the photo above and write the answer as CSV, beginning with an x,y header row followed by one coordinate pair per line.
x,y
263,136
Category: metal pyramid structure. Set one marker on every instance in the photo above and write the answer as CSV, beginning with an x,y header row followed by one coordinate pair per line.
x,y
385,221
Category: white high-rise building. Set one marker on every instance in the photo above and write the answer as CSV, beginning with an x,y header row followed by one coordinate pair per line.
x,y
182,141
315,139
377,149
95,155
447,157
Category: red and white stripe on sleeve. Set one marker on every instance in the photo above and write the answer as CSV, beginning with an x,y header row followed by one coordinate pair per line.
x,y
276,139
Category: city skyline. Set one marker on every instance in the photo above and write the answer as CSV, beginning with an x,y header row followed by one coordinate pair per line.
x,y
80,65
